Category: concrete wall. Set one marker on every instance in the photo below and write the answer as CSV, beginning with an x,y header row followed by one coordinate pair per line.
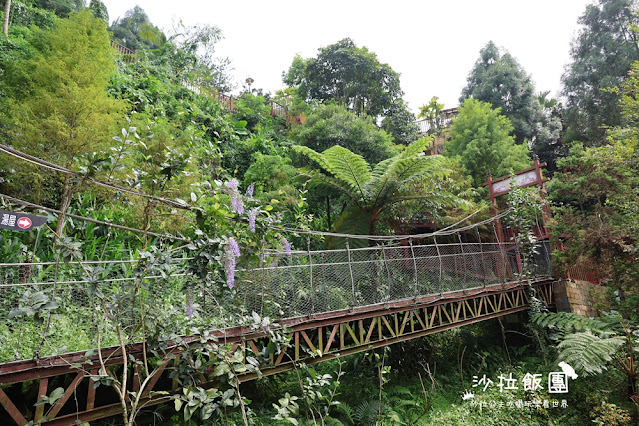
x,y
579,297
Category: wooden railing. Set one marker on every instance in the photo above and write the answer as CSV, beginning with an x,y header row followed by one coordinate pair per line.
x,y
428,126
128,55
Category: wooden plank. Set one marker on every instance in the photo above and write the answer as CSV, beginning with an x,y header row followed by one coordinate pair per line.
x,y
352,333
330,339
419,319
253,347
489,302
151,383
361,331
432,316
297,345
280,356
404,322
396,322
445,309
460,304
42,392
65,397
383,317
91,391
308,341
370,330
8,405
320,338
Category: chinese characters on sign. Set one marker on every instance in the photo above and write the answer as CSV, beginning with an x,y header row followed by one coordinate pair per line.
x,y
523,179
19,221
519,403
557,383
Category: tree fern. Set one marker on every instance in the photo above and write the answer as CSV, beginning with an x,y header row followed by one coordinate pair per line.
x,y
406,176
564,323
589,353
366,412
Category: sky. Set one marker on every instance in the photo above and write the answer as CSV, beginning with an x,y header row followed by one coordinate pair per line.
x,y
432,44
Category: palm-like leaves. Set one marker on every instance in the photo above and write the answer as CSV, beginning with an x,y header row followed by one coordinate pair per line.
x,y
406,176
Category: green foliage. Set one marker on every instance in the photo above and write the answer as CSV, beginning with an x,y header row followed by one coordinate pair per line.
x,y
330,125
399,122
589,353
349,75
592,345
432,112
272,174
62,110
99,10
602,54
480,138
501,81
405,176
27,15
255,111
62,8
136,32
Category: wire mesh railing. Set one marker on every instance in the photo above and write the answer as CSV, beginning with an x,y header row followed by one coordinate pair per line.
x,y
294,284
313,282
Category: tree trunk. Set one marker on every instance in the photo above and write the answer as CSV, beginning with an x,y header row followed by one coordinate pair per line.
x,y
5,22
328,212
64,205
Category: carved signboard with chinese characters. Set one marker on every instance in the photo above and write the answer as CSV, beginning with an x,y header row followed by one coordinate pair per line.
x,y
524,179
20,221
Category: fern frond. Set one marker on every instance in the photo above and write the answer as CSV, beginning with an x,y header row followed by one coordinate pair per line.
x,y
366,412
320,180
416,147
349,167
589,353
313,155
566,322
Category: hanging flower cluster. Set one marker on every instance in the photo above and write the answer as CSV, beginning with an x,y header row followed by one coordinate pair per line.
x,y
252,215
286,246
189,304
250,189
232,250
236,198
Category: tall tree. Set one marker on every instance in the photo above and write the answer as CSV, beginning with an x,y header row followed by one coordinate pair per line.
x,y
497,78
62,8
350,75
480,138
62,110
602,53
99,10
399,122
331,125
135,31
5,20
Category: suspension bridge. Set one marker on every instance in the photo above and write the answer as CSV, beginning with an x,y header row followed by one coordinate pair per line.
x,y
329,303
325,304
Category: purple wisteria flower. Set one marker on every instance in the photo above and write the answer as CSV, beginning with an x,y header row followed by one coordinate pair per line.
x,y
232,250
229,267
236,202
286,245
189,304
250,189
232,184
252,215
235,248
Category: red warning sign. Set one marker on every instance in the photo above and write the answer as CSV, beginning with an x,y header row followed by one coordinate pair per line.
x,y
24,223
